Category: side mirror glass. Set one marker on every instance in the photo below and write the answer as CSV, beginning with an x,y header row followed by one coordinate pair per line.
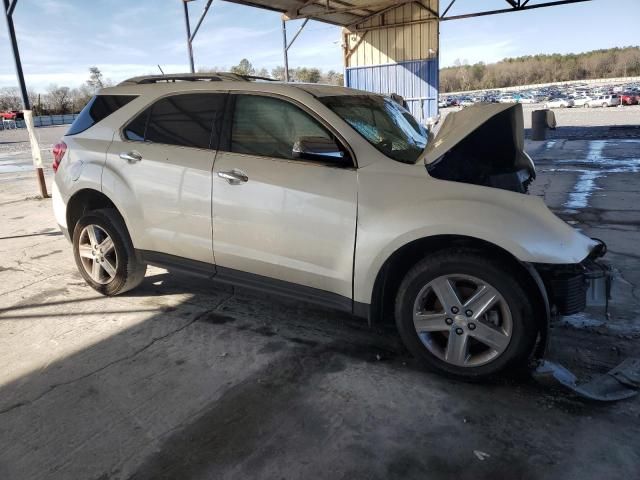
x,y
317,148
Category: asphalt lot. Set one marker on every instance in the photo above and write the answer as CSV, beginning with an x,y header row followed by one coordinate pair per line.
x,y
185,378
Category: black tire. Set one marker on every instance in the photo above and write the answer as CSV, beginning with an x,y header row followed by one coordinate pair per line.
x,y
129,271
497,273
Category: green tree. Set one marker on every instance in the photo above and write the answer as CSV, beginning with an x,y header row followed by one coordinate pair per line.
x,y
307,75
243,68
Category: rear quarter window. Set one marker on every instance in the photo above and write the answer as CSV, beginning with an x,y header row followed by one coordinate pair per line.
x,y
98,108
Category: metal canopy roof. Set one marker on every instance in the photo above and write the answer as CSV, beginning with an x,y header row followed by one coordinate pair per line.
x,y
338,12
349,13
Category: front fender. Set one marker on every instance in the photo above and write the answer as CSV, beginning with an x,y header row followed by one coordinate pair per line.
x,y
519,224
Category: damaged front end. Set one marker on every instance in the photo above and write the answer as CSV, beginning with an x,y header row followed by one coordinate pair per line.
x,y
571,289
482,145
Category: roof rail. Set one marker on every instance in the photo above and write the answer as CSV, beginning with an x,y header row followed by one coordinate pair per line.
x,y
187,77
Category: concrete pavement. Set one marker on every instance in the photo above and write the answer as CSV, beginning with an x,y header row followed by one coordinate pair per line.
x,y
185,378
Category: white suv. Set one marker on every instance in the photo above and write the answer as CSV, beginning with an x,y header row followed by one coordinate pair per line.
x,y
604,101
330,195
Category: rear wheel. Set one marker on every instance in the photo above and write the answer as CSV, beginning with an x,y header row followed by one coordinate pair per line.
x,y
460,314
104,253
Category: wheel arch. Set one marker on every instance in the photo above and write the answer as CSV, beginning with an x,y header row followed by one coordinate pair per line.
x,y
401,260
84,201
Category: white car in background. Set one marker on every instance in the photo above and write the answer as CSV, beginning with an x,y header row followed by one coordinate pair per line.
x,y
582,101
559,103
331,195
507,99
604,101
526,99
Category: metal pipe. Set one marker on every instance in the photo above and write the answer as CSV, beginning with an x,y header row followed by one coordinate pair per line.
x,y
297,33
446,10
16,56
285,49
507,10
189,46
8,11
204,14
12,7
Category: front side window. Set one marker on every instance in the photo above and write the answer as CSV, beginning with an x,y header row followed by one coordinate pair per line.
x,y
190,120
383,123
269,127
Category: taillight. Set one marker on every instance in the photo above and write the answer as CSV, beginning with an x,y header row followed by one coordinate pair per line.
x,y
59,150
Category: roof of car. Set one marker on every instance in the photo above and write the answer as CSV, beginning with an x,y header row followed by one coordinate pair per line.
x,y
222,81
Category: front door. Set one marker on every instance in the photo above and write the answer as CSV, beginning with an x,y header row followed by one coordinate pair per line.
x,y
162,169
276,216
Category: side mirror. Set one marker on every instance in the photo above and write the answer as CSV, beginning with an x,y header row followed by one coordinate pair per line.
x,y
317,148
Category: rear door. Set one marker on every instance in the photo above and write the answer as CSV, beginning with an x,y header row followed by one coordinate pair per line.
x,y
161,167
288,219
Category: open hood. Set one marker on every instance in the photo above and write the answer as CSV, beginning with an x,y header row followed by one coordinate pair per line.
x,y
484,145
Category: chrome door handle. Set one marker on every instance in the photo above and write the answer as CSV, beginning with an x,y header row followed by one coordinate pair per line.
x,y
131,157
234,177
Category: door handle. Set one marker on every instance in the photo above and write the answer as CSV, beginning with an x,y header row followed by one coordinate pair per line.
x,y
234,177
131,157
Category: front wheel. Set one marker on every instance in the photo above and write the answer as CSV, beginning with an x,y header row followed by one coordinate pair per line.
x,y
460,314
104,253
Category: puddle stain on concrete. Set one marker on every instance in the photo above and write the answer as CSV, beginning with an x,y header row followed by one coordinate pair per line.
x,y
586,182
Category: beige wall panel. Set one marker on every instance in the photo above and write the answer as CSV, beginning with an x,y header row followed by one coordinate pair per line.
x,y
416,41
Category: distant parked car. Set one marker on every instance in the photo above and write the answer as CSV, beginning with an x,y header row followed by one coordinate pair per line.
x,y
629,98
560,102
507,99
466,101
526,99
582,101
604,101
12,115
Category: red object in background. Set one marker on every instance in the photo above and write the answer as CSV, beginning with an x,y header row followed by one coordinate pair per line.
x,y
12,115
58,153
629,98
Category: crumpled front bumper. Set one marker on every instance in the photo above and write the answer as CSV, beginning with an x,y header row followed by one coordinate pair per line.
x,y
572,288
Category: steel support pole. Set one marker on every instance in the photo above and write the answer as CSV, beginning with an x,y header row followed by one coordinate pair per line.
x,y
189,46
8,13
285,50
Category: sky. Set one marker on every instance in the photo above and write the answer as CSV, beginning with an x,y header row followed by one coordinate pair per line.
x,y
60,39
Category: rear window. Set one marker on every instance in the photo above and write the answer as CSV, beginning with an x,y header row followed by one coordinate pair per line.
x,y
98,108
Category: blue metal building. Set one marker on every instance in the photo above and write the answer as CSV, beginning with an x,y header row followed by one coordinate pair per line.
x,y
396,51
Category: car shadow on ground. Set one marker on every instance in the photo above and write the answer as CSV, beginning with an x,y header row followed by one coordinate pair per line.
x,y
217,382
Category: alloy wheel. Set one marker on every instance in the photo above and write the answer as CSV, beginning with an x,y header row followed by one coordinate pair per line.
x,y
462,320
98,254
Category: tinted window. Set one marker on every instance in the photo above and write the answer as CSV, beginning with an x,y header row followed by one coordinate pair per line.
x,y
267,126
190,120
98,108
136,128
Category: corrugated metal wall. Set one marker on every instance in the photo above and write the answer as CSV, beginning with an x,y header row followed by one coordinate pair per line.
x,y
402,59
416,81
